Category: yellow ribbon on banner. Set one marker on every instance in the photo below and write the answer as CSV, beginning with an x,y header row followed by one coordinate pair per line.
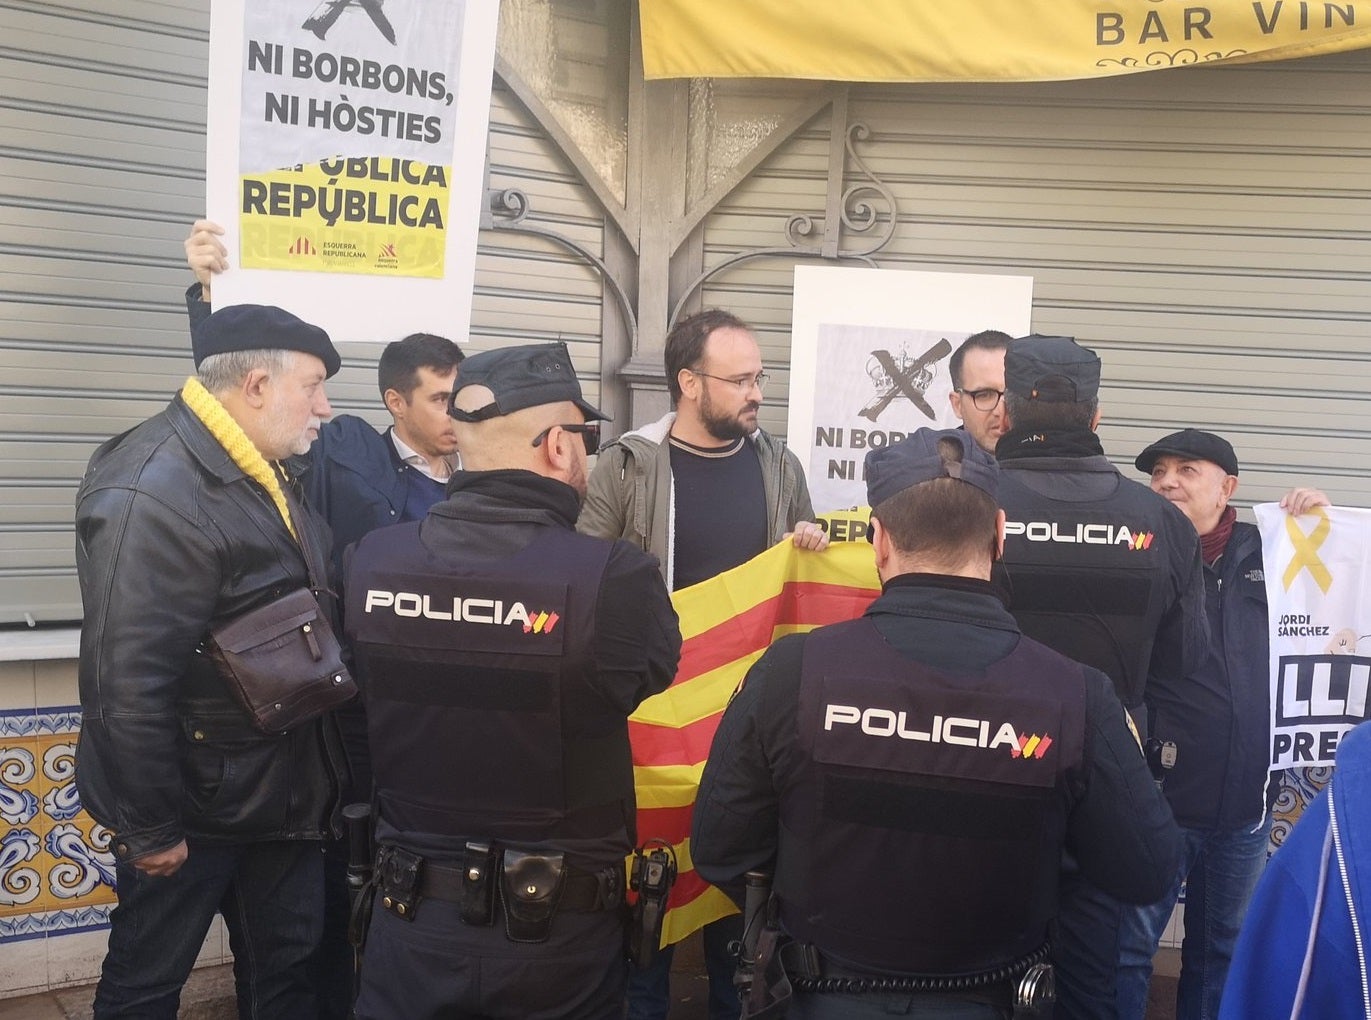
x,y
1306,554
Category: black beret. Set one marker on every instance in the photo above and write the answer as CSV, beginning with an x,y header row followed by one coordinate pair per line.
x,y
1190,444
892,469
1053,368
521,377
261,328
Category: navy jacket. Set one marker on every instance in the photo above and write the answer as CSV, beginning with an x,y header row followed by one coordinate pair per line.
x,y
1219,715
1118,826
357,482
1130,614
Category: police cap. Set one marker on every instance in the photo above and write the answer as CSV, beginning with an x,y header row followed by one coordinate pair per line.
x,y
520,377
1052,368
892,469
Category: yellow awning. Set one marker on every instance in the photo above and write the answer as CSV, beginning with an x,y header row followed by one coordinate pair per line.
x,y
983,40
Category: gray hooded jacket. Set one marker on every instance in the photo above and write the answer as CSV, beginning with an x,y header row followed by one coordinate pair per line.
x,y
631,495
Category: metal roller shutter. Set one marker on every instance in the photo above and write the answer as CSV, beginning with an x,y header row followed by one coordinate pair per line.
x,y
1206,230
102,149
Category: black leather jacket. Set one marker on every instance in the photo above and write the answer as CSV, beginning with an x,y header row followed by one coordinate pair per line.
x,y
171,538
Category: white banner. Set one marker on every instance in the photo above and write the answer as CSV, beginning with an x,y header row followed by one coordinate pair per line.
x,y
346,154
868,361
1318,589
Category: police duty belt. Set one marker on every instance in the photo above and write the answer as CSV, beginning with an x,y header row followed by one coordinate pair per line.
x,y
810,971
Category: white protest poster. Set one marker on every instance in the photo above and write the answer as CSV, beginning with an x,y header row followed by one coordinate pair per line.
x,y
1318,590
346,159
868,361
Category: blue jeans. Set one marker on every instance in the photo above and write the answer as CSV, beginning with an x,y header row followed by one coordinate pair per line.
x,y
1219,870
649,991
271,896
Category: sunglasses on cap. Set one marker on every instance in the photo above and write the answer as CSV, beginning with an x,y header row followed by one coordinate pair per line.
x,y
589,432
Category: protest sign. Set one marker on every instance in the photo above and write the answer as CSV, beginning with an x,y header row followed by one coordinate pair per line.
x,y
1318,572
869,361
347,140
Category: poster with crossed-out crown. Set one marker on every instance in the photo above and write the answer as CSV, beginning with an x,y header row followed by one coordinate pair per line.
x,y
869,361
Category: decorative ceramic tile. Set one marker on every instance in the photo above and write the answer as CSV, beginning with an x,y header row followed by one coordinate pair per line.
x,y
56,871
1297,788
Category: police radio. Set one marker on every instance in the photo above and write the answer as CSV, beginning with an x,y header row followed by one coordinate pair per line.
x,y
1161,757
652,876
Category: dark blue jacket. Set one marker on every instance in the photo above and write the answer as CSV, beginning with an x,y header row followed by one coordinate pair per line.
x,y
1117,826
358,483
1127,610
1219,716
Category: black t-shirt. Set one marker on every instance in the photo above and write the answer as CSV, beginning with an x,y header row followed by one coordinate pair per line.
x,y
720,516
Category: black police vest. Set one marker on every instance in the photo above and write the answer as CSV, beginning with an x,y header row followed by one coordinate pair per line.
x,y
480,717
1090,580
923,832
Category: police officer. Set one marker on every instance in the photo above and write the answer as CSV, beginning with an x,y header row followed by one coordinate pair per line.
x,y
501,654
911,777
1103,570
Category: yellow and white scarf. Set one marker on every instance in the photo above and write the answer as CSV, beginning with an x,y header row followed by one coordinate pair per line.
x,y
234,440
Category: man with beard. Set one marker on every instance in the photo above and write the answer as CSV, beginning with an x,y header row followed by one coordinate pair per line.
x,y
357,478
498,715
703,489
185,525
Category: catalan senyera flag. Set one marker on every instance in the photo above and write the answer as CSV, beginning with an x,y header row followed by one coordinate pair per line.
x,y
726,623
981,40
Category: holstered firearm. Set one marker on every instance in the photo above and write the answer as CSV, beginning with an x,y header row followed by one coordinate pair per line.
x,y
357,825
764,988
757,893
653,874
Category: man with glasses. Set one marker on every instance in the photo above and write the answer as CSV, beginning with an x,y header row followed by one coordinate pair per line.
x,y
704,489
502,653
977,397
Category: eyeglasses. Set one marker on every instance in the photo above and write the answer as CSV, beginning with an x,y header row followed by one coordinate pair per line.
x,y
589,431
743,382
983,400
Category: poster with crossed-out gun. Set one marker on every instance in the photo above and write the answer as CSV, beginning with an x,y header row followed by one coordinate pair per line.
x,y
870,359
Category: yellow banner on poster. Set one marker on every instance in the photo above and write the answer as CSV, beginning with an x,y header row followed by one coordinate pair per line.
x,y
983,40
377,216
